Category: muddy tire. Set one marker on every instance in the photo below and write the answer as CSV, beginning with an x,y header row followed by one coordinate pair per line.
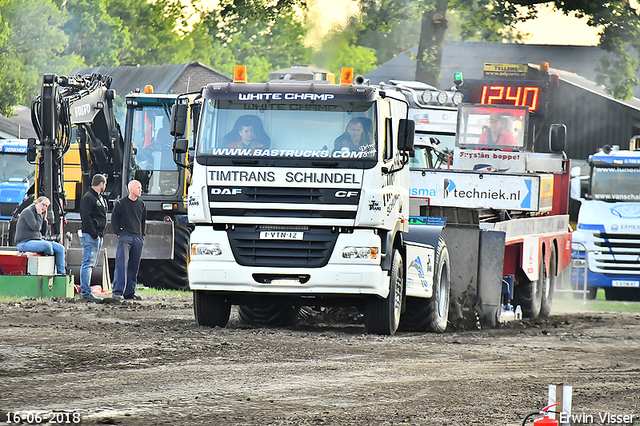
x,y
431,314
549,284
210,309
528,294
170,274
382,316
269,314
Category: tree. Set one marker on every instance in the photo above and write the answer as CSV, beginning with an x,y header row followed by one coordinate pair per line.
x,y
251,33
93,33
152,35
29,47
496,19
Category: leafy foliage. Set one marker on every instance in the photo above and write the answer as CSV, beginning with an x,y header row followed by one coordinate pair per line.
x,y
41,36
29,46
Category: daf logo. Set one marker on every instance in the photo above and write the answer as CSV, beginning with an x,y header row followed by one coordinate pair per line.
x,y
346,194
226,191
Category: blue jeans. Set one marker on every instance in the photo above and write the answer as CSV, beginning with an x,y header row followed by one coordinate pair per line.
x,y
90,250
49,248
128,254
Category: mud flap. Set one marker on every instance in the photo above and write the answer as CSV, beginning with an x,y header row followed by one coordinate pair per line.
x,y
490,268
477,263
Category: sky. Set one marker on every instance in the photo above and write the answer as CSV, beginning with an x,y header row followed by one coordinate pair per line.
x,y
549,28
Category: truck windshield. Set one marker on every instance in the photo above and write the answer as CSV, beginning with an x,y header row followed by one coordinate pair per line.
x,y
288,130
615,183
152,150
16,176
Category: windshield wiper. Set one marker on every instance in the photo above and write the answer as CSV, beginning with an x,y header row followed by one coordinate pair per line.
x,y
244,162
325,163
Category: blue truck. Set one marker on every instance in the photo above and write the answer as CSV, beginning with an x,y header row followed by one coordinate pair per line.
x,y
16,175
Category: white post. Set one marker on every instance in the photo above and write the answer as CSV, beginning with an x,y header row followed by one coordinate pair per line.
x,y
562,394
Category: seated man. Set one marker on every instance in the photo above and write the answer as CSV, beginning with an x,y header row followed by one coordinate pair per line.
x,y
31,224
357,137
247,133
495,134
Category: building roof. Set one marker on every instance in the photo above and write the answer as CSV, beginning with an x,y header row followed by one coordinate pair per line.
x,y
590,86
18,126
163,78
468,57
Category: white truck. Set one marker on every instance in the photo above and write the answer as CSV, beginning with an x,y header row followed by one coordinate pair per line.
x,y
296,218
608,230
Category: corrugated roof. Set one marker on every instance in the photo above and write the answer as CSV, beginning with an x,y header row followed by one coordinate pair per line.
x,y
127,78
18,126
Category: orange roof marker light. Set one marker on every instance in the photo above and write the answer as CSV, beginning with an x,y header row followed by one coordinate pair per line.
x,y
346,76
240,74
544,66
148,88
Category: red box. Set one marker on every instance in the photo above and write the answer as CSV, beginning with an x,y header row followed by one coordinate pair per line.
x,y
13,263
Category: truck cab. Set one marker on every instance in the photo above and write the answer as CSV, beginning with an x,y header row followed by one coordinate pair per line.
x,y
300,198
607,229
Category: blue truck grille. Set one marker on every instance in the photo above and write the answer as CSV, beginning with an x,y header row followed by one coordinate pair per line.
x,y
6,209
311,252
616,253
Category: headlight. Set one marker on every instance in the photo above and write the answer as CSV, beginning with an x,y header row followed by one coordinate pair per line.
x,y
457,98
442,98
360,253
426,96
206,250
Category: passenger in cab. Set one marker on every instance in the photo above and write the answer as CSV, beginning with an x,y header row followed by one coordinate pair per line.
x,y
358,137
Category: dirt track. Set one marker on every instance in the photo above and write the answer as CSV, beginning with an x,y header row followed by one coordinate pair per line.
x,y
147,363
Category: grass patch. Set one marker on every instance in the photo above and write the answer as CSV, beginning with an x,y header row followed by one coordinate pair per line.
x,y
567,303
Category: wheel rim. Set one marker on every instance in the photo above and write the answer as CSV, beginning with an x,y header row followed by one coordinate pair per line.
x,y
442,289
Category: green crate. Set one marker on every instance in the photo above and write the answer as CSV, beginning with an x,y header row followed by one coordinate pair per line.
x,y
36,285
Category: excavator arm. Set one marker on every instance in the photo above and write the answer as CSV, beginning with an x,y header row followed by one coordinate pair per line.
x,y
80,107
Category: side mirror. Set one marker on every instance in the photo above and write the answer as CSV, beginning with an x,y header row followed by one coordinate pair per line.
x,y
557,137
31,150
406,134
576,188
575,171
181,146
178,120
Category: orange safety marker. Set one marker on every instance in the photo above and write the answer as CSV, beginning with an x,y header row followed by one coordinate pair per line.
x,y
346,76
240,74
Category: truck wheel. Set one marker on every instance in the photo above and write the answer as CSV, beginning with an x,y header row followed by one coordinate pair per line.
x,y
382,316
210,309
528,294
269,314
431,314
169,274
549,284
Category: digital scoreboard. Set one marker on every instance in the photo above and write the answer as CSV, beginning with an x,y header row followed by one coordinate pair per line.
x,y
529,93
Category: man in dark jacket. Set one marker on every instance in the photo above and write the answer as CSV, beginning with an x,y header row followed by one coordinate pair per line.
x,y
128,221
93,212
31,225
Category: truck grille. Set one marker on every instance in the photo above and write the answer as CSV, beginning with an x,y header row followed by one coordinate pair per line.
x,y
616,253
311,252
6,209
344,207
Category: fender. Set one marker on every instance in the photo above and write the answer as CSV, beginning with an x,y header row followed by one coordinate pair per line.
x,y
388,240
424,234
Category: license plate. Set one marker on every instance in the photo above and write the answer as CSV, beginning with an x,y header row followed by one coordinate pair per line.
x,y
281,235
621,283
